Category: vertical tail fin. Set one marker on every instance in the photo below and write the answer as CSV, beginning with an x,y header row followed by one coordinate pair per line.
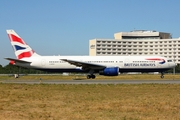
x,y
21,49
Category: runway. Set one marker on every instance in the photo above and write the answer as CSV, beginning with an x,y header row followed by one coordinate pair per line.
x,y
73,82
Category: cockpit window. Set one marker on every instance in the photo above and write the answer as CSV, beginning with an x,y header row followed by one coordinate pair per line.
x,y
169,60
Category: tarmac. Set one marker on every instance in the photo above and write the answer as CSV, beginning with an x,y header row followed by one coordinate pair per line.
x,y
74,82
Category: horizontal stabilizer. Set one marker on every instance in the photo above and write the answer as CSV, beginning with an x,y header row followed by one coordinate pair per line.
x,y
16,60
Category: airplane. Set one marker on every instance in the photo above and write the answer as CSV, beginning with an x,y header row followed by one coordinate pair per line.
x,y
103,65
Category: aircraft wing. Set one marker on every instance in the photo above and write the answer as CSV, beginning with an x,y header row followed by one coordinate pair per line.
x,y
84,65
17,60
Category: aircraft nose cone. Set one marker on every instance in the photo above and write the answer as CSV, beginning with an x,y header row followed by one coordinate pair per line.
x,y
174,64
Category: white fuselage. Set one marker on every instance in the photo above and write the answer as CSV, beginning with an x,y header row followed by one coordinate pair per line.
x,y
124,63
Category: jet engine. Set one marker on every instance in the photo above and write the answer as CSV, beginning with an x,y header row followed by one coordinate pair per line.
x,y
110,71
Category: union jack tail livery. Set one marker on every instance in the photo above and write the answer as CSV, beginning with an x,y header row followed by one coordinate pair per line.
x,y
21,49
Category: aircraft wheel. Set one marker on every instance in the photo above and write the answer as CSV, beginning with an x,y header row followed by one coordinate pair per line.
x,y
162,76
88,76
93,76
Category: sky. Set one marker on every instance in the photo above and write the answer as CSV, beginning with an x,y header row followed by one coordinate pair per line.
x,y
64,27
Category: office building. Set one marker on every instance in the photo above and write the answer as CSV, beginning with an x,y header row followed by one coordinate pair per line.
x,y
139,42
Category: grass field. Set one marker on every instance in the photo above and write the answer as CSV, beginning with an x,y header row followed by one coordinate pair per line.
x,y
93,102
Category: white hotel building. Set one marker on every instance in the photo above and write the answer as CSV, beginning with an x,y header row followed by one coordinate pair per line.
x,y
139,42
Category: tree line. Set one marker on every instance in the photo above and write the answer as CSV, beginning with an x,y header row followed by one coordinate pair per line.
x,y
12,69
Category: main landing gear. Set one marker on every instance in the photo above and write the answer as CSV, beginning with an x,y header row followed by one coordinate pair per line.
x,y
162,75
91,76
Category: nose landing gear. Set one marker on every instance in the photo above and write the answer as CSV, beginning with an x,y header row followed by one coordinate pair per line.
x,y
162,75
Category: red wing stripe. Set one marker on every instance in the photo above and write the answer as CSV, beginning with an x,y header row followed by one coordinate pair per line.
x,y
153,59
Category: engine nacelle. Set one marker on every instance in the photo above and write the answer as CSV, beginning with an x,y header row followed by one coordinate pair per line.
x,y
110,71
